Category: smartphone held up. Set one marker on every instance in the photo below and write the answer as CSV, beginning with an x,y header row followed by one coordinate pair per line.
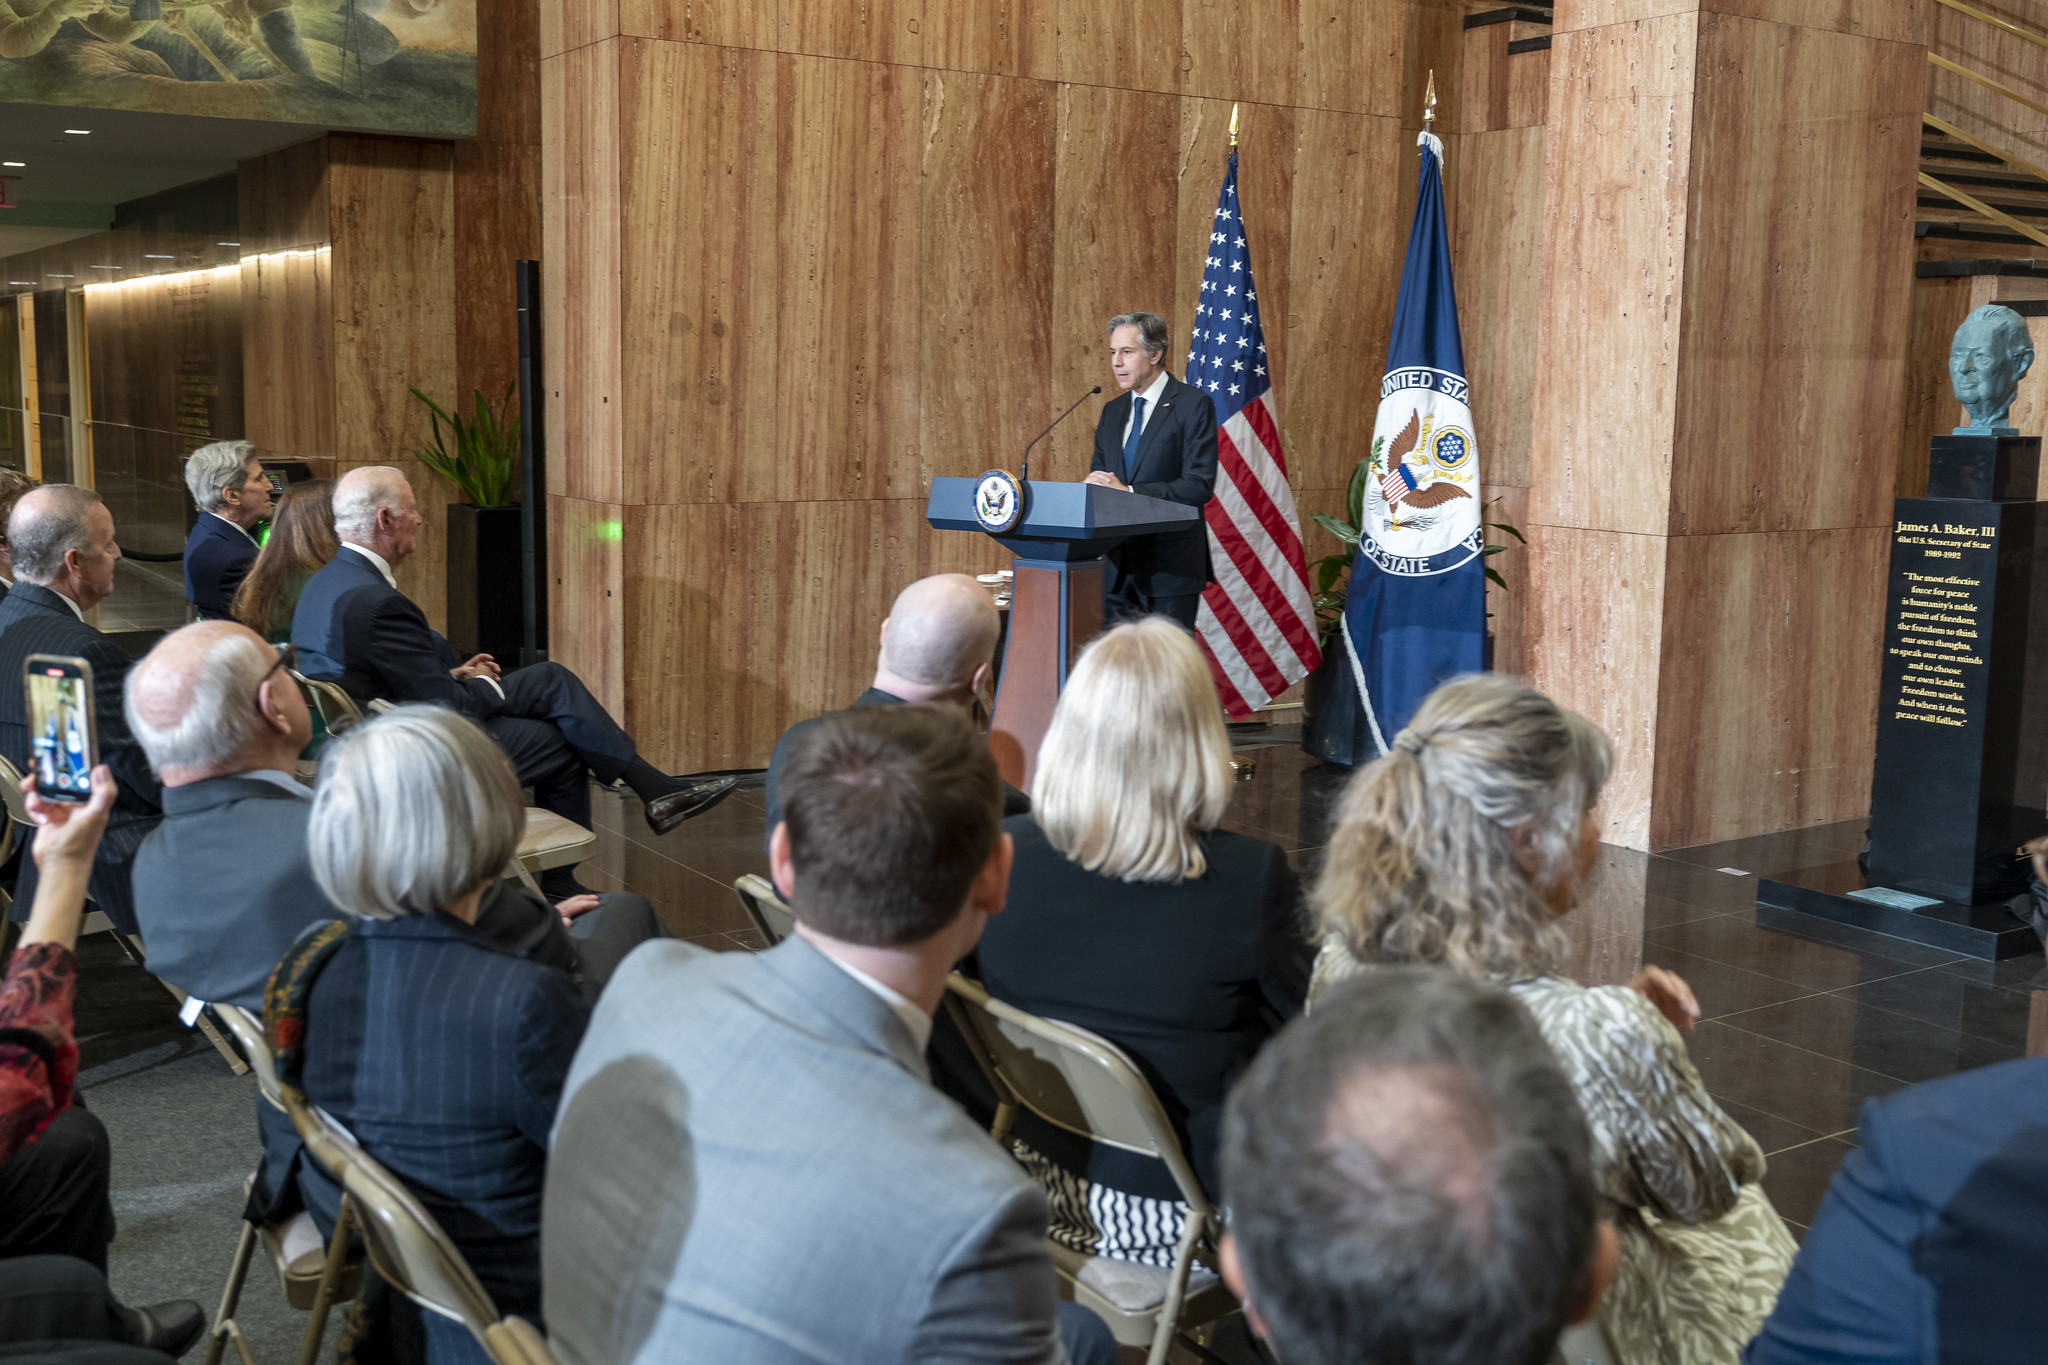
x,y
63,739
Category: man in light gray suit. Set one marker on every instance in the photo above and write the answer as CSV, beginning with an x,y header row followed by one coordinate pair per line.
x,y
749,1164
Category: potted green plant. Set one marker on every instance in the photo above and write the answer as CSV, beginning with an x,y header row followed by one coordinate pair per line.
x,y
481,458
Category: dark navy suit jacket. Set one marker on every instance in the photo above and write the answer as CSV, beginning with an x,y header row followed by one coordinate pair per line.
x,y
1931,1243
355,629
35,620
1176,462
217,559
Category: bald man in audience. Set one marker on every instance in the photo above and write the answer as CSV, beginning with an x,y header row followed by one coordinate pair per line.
x,y
353,626
938,644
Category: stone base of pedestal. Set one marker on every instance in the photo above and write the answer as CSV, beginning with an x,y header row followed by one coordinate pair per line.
x,y
1988,932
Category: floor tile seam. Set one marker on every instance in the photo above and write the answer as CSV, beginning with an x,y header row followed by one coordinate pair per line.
x,y
1915,1019
1905,968
1854,1066
1824,1137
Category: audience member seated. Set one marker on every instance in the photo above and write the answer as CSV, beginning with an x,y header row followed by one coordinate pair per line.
x,y
62,541
1929,1245
225,884
1462,847
1132,915
13,483
1410,1179
353,626
442,1051
228,487
57,1310
301,542
937,645
750,1164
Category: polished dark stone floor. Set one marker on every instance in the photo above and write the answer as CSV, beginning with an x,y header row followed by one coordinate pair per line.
x,y
1801,1021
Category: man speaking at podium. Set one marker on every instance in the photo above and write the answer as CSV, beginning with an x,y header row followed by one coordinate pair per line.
x,y
1157,438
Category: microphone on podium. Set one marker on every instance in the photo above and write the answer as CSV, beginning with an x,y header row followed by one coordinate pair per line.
x,y
1026,476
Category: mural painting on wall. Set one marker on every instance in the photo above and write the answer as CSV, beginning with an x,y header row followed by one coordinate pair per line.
x,y
391,65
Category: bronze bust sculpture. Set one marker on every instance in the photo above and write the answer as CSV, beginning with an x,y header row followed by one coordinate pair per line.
x,y
1989,356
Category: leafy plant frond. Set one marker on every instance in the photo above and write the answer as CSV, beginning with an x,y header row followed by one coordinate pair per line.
x,y
481,456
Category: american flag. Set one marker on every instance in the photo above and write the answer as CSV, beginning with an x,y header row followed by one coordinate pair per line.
x,y
1256,623
1397,483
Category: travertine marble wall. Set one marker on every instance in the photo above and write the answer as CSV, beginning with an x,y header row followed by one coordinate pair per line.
x,y
805,254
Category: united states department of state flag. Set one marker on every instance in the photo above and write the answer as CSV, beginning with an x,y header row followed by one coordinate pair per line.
x,y
1415,610
1256,623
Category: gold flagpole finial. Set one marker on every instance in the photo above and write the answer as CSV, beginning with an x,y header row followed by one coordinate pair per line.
x,y
1233,127
1429,101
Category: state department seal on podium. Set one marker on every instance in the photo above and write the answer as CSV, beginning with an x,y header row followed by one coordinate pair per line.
x,y
998,501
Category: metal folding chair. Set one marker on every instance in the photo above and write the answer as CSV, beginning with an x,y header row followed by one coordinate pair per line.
x,y
770,914
312,1283
96,922
1082,1082
407,1247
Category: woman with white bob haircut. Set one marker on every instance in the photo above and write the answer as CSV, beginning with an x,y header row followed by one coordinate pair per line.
x,y
1462,847
1131,913
440,1048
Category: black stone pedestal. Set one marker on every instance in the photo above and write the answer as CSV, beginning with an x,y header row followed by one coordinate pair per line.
x,y
1961,777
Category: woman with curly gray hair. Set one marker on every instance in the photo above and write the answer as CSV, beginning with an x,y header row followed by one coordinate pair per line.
x,y
1463,846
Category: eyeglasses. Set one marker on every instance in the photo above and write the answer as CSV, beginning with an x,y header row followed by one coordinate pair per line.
x,y
287,657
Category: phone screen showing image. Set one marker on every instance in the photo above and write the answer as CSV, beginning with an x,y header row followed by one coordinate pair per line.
x,y
62,748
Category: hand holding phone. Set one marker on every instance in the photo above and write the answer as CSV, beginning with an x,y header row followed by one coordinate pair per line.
x,y
63,736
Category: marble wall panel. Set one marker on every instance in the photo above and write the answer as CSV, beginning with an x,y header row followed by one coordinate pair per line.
x,y
288,354
1351,56
1767,703
498,210
582,360
1494,201
701,281
847,145
1497,89
1937,307
1347,234
1241,52
1131,45
566,25
1003,38
1115,201
586,595
1612,275
282,198
1798,274
1593,638
1507,608
985,271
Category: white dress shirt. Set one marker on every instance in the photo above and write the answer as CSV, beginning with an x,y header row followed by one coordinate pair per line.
x,y
1151,397
902,1006
236,524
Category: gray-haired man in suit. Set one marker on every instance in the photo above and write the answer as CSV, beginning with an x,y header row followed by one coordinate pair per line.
x,y
749,1164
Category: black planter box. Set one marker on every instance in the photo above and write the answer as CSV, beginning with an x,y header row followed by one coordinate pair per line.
x,y
483,582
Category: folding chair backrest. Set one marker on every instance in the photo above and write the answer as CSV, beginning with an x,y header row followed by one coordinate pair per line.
x,y
17,800
330,702
405,1243
1073,1079
255,1047
770,914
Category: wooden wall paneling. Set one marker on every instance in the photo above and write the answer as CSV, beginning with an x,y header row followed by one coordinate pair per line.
x,y
846,306
1241,52
1767,704
1130,45
1508,607
586,597
1528,88
1115,200
288,354
566,25
1891,21
985,273
508,71
1350,56
1615,206
393,206
753,24
283,201
1798,274
1347,237
1495,208
1009,38
857,30
1266,202
497,210
580,217
1483,81
1593,637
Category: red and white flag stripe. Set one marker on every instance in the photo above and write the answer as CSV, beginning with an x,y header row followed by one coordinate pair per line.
x,y
1257,622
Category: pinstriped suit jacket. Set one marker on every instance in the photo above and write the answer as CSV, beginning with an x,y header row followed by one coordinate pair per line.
x,y
35,620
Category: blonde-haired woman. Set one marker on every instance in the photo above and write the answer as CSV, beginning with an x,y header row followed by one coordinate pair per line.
x,y
1132,914
1463,846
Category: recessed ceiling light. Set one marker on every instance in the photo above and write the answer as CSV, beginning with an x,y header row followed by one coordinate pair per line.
x,y
78,132
30,283
147,257
106,267
227,243
53,275
13,163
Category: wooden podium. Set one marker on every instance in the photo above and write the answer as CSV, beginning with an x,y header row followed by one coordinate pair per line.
x,y
1056,600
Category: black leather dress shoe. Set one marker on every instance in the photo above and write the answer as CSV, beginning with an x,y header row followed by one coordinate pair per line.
x,y
172,1327
698,795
